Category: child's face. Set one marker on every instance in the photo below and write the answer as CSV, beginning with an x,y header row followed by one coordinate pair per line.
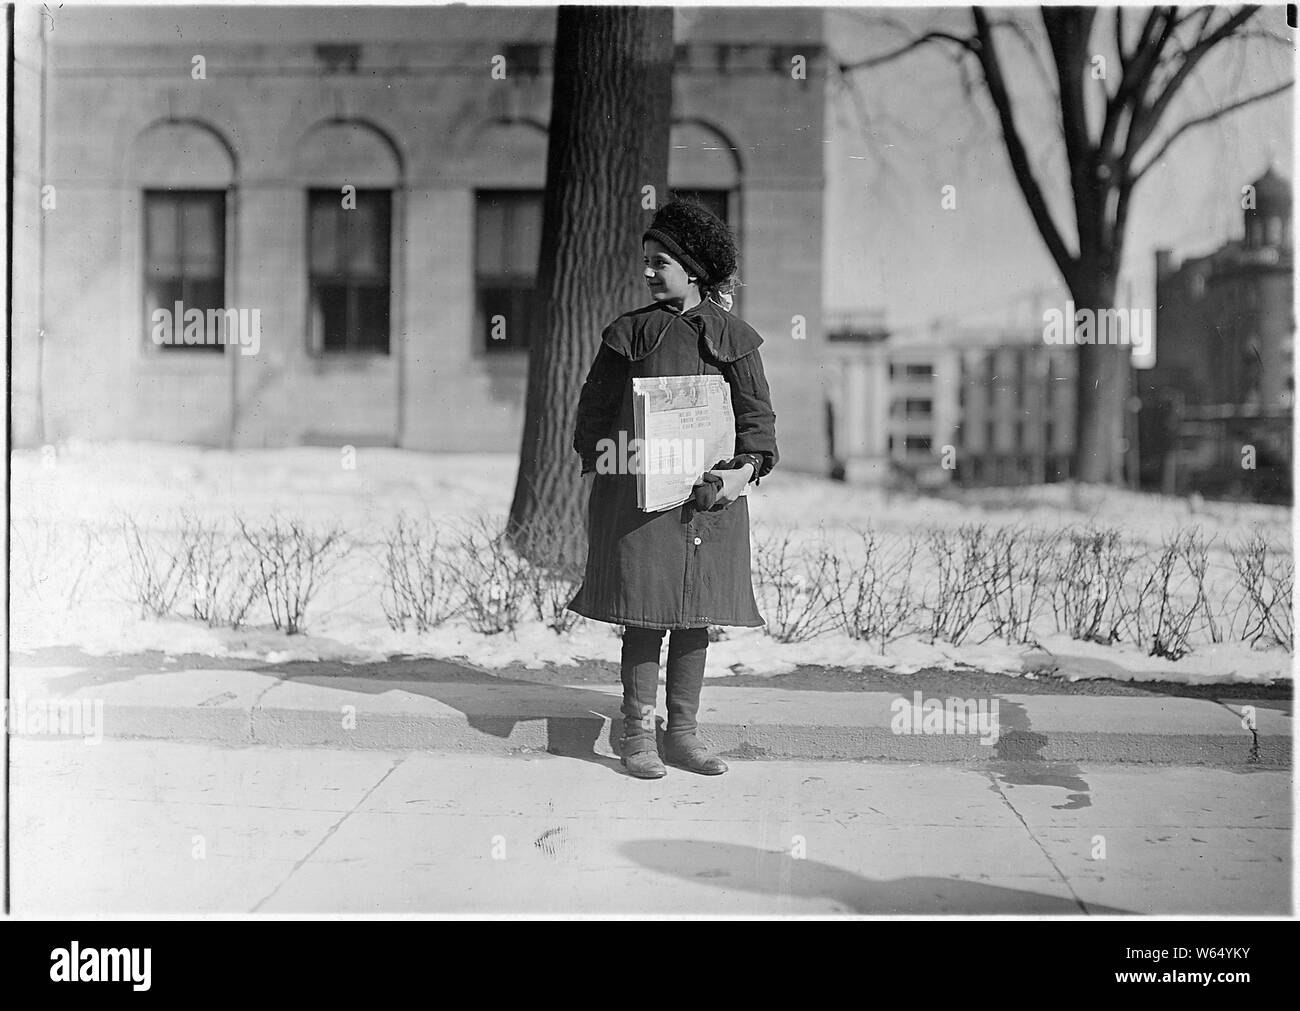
x,y
666,277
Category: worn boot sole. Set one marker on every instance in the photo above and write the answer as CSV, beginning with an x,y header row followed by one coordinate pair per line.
x,y
650,768
715,767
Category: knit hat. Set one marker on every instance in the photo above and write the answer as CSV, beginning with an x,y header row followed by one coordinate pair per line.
x,y
697,238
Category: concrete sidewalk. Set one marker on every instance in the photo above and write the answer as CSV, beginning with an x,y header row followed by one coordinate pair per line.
x,y
150,828
485,714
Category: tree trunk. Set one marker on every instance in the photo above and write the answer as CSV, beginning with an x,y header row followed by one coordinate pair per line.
x,y
611,110
1102,391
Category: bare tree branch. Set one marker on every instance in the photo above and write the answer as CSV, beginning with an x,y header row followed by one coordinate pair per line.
x,y
1119,38
1049,83
903,50
1264,33
1024,173
1124,192
1147,117
1136,75
1068,29
1207,118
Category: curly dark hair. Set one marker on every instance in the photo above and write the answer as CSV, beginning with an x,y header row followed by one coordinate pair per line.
x,y
703,237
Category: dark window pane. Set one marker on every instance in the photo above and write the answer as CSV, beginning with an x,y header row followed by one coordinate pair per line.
x,y
371,324
162,254
201,235
507,315
323,232
715,200
525,236
202,293
330,315
508,232
365,239
184,260
349,279
491,238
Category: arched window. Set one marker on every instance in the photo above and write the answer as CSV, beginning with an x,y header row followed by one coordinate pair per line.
x,y
508,158
703,166
351,171
183,171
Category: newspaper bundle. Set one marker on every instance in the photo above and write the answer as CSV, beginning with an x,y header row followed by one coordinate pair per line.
x,y
683,426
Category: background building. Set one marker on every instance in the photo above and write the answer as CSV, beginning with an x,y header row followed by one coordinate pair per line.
x,y
203,154
1224,374
991,405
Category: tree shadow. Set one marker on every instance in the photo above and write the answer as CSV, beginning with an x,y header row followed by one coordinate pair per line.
x,y
745,868
575,718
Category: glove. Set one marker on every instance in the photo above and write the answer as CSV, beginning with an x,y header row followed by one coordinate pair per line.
x,y
706,491
712,486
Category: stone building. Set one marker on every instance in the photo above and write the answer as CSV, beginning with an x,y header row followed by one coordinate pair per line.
x,y
975,405
203,155
1217,405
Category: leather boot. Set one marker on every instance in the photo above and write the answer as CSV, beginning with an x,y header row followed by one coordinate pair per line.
x,y
640,675
681,748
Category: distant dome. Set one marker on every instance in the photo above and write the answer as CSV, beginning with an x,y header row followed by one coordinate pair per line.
x,y
1272,192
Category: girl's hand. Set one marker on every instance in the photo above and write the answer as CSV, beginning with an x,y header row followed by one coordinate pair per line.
x,y
733,483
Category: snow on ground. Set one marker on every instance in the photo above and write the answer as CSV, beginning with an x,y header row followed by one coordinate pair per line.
x,y
67,503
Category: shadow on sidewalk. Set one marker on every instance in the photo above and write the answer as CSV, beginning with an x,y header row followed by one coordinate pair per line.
x,y
745,868
578,716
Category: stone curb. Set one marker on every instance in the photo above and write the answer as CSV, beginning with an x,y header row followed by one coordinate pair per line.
x,y
239,708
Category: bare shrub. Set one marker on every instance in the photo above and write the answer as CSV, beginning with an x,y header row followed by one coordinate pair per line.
x,y
157,568
795,586
1134,615
220,571
1017,570
1195,556
52,563
419,587
873,599
1088,600
292,560
1265,577
491,578
962,590
555,572
1172,600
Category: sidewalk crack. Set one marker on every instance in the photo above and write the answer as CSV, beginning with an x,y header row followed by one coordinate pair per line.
x,y
254,706
997,786
329,834
1246,716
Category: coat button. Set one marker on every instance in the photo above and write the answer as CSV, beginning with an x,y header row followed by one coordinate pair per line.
x,y
698,541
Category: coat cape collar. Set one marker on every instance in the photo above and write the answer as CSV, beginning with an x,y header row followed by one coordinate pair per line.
x,y
637,333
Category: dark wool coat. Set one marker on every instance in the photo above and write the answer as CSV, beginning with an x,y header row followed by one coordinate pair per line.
x,y
680,568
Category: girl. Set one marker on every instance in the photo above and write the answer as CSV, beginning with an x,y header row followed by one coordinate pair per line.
x,y
687,567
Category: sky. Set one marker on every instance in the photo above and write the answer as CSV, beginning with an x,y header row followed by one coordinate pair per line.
x,y
891,246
